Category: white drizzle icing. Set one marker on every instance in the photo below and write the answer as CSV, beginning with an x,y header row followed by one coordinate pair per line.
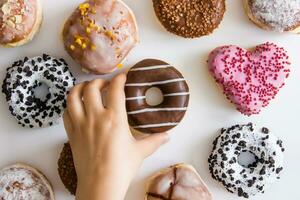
x,y
156,125
155,83
166,95
155,110
278,14
151,68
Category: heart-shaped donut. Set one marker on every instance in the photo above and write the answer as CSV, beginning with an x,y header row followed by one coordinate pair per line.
x,y
250,79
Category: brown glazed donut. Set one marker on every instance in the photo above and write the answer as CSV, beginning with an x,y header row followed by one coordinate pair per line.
x,y
180,181
20,20
151,73
99,35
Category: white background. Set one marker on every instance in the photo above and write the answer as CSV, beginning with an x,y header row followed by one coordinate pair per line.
x,y
208,111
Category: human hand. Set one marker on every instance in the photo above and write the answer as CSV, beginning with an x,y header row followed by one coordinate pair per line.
x,y
106,155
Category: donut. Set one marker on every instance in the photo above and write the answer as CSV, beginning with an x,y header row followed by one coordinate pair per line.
x,y
250,79
190,18
246,181
66,169
180,181
151,73
19,85
20,20
100,34
21,181
274,15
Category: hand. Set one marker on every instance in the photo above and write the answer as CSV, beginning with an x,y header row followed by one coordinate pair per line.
x,y
106,155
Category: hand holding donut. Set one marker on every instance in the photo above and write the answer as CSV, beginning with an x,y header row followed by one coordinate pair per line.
x,y
106,155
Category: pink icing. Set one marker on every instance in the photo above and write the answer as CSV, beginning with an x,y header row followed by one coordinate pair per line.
x,y
250,79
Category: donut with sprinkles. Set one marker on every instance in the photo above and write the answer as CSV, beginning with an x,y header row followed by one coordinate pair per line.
x,y
253,178
19,85
151,73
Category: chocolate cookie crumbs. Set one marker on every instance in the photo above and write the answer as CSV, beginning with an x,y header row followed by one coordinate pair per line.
x,y
190,18
249,180
66,169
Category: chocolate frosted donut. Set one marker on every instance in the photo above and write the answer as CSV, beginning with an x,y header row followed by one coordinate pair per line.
x,y
20,181
190,18
151,73
180,181
19,21
275,15
100,34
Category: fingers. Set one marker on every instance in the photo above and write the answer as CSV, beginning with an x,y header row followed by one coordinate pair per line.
x,y
68,123
92,96
116,94
151,143
75,104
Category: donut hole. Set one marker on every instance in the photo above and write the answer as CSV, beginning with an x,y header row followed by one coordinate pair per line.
x,y
41,91
247,159
154,96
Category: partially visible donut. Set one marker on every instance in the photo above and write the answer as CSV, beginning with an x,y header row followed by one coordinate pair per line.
x,y
151,73
20,20
190,18
275,15
179,181
250,180
66,169
20,181
99,34
26,75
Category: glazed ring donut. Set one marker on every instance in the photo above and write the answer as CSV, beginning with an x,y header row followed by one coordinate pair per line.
x,y
20,181
279,15
151,73
179,181
99,35
26,75
20,20
246,181
190,18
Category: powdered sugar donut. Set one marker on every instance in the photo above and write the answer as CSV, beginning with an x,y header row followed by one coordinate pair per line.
x,y
250,79
276,15
20,20
248,180
100,34
26,75
20,181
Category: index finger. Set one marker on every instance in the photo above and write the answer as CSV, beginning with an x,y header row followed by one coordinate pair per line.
x,y
116,94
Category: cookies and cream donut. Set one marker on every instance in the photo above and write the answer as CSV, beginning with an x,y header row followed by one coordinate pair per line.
x,y
20,181
190,18
66,169
246,181
20,20
275,15
99,35
151,73
19,85
250,79
179,181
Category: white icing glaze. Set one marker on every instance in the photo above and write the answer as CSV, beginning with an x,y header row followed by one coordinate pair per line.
x,y
279,15
155,83
166,95
156,125
151,68
155,110
18,182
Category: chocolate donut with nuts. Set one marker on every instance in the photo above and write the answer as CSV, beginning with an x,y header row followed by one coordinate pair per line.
x,y
99,35
180,181
151,73
190,18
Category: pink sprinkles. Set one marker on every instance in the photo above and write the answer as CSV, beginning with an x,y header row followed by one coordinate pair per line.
x,y
250,79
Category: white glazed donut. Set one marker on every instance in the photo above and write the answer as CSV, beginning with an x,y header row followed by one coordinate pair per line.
x,y
20,181
248,180
26,75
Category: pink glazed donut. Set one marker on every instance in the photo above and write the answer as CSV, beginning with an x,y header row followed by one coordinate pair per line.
x,y
100,34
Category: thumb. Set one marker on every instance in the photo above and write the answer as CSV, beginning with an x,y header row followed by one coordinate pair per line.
x,y
151,143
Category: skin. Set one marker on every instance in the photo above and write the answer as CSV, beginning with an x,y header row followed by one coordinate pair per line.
x,y
106,155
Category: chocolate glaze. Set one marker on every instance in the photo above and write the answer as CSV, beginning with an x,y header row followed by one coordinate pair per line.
x,y
178,100
177,182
